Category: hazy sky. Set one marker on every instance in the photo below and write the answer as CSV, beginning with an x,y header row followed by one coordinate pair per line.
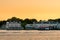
x,y
39,9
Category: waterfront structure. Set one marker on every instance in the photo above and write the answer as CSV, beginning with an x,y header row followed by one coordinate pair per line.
x,y
35,26
29,26
13,26
44,26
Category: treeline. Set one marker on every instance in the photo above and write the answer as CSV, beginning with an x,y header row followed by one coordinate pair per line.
x,y
28,21
23,22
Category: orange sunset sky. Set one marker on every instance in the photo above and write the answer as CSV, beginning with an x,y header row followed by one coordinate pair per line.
x,y
38,9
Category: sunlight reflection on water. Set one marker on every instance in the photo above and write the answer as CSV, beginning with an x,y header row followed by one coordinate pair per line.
x,y
30,35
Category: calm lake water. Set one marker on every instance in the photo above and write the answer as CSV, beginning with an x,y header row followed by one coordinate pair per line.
x,y
29,35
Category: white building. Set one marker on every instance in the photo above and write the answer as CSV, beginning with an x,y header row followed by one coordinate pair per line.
x,y
43,26
29,26
13,25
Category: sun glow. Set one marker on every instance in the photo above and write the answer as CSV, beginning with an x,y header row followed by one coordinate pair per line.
x,y
38,9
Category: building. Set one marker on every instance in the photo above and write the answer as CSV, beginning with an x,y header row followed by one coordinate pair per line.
x,y
29,26
13,26
43,26
35,26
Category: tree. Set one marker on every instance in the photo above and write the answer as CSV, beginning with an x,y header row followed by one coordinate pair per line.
x,y
2,23
27,21
33,20
12,19
15,19
58,20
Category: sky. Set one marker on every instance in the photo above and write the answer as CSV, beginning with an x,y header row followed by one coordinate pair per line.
x,y
38,9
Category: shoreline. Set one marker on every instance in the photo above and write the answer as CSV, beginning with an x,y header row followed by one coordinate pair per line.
x,y
27,31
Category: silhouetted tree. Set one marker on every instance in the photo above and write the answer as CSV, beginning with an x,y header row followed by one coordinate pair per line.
x,y
2,23
58,20
27,21
15,19
33,20
40,21
12,19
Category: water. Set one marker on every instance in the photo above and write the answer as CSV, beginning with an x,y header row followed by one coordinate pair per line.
x,y
29,35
